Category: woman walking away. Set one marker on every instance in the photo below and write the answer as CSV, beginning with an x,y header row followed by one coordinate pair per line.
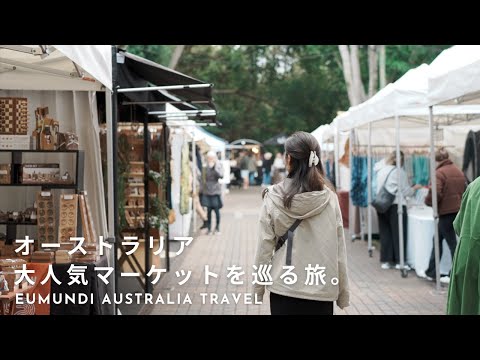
x,y
309,268
267,168
212,190
388,221
252,168
244,170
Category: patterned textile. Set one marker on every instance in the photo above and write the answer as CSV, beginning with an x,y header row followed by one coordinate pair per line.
x,y
358,191
421,169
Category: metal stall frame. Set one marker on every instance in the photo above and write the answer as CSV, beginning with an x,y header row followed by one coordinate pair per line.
x,y
369,191
401,235
161,114
433,179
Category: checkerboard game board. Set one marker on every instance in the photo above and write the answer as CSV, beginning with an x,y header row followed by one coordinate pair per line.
x,y
13,116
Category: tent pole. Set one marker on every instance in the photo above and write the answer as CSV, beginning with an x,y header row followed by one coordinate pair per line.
x,y
400,199
351,212
113,195
433,179
178,123
146,171
110,160
182,113
110,185
41,68
336,156
173,102
194,183
369,189
167,87
23,49
185,116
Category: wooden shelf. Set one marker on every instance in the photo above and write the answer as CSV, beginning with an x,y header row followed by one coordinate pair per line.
x,y
127,207
136,174
17,159
135,184
46,185
137,163
41,151
132,229
135,196
11,222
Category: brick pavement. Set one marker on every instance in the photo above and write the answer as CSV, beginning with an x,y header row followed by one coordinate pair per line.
x,y
373,290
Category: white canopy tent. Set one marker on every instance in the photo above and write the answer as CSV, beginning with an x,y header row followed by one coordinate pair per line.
x,y
66,78
455,75
404,104
214,142
188,130
324,135
81,69
56,67
454,79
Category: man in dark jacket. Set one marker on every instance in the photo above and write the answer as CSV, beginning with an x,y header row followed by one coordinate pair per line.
x,y
450,188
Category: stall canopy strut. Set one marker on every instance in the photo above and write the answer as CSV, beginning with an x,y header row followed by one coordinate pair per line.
x,y
169,87
152,86
26,49
38,68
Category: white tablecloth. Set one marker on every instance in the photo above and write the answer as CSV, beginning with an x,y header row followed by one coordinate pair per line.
x,y
420,241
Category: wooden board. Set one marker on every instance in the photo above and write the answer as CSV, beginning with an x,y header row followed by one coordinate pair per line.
x,y
93,232
46,218
83,213
68,217
13,116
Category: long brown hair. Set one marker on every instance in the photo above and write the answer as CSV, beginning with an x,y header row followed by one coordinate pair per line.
x,y
304,178
392,158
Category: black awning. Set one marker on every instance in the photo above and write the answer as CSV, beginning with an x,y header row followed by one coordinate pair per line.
x,y
159,75
130,79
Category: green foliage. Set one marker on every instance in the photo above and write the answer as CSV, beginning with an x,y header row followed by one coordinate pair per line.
x,y
159,53
401,58
122,179
158,214
159,178
263,90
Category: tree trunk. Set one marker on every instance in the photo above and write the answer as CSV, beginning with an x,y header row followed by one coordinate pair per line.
x,y
177,54
372,70
359,90
347,72
382,62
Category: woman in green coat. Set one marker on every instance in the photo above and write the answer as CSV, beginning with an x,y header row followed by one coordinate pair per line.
x,y
464,290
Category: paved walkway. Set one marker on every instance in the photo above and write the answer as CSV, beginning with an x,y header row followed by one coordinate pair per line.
x,y
373,291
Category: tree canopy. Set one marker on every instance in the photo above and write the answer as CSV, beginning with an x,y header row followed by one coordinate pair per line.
x,y
263,90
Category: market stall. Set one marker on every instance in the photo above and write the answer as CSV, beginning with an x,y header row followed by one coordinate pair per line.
x,y
396,114
144,90
454,79
61,85
190,134
50,150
